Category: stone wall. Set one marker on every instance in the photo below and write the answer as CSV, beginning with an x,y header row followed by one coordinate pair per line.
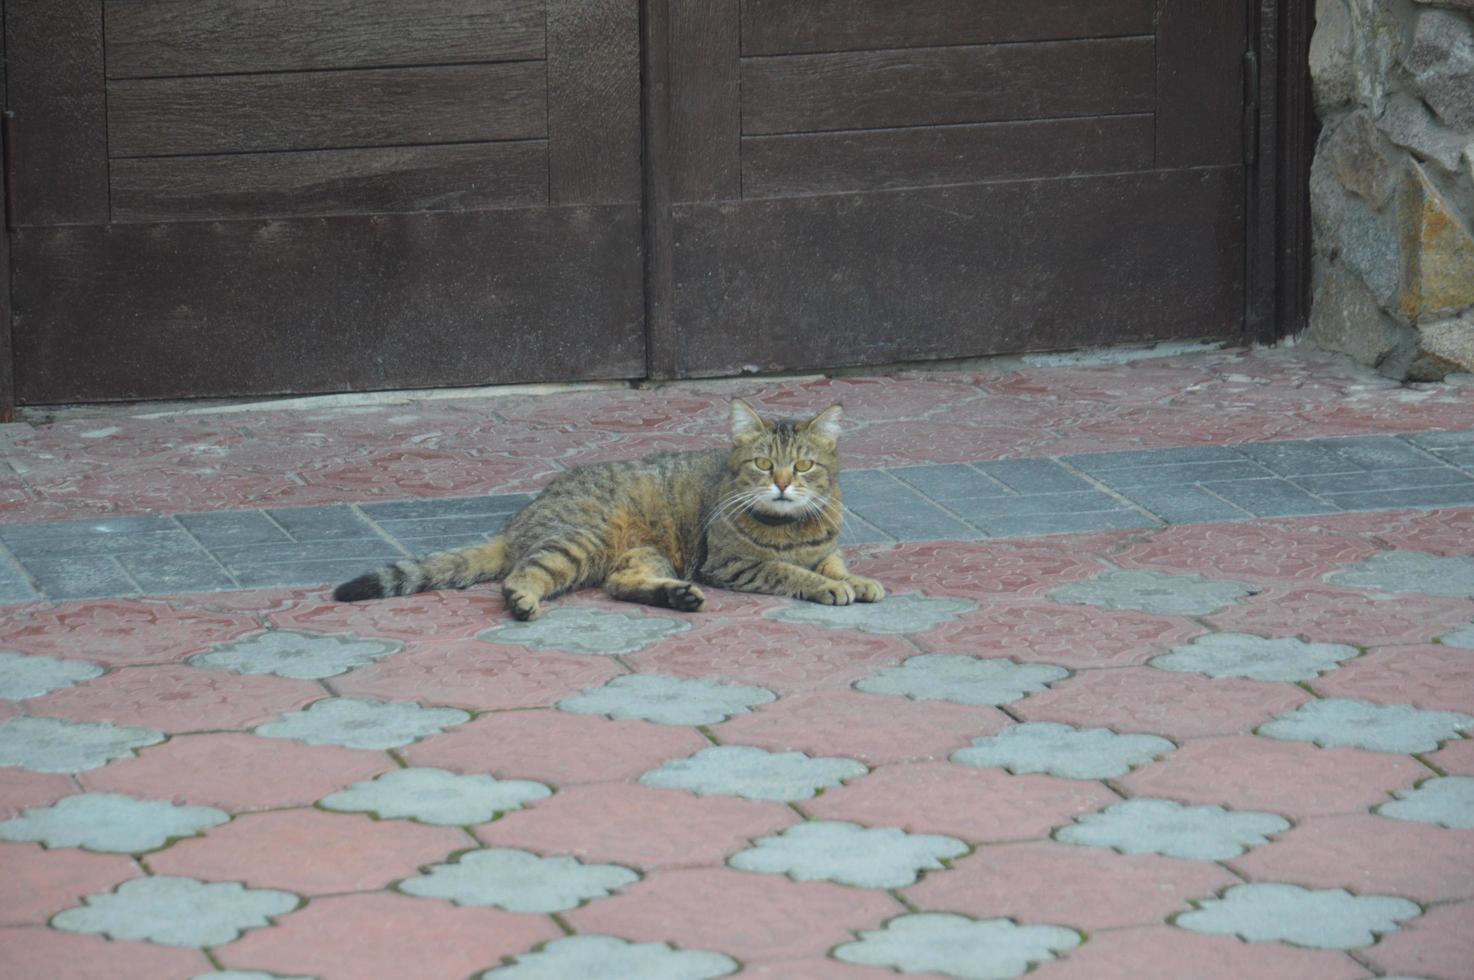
x,y
1392,184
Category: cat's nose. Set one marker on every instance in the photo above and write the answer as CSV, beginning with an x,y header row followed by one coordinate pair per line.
x,y
782,483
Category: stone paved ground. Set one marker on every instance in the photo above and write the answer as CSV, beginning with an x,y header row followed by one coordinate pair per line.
x,y
1188,747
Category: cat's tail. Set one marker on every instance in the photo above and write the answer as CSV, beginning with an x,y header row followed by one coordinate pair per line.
x,y
445,570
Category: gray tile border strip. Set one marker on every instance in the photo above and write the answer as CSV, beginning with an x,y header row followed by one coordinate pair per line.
x,y
319,545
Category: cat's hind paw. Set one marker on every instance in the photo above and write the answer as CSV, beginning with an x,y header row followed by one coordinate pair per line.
x,y
522,605
866,589
683,597
832,594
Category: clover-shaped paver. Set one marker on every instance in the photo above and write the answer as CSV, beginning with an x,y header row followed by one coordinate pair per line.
x,y
909,613
606,956
1329,919
362,723
519,881
1154,592
1347,722
1446,801
60,745
177,911
835,850
756,774
591,631
291,653
436,796
1254,657
1411,571
30,677
1061,750
668,700
1204,833
940,942
1463,638
110,822
961,679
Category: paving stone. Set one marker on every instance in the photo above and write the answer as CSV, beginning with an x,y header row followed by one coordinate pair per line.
x,y
1314,457
35,951
976,509
362,723
233,528
1440,943
918,521
289,653
1463,638
1154,592
122,632
166,574
1030,476
425,528
1340,485
1203,833
1138,458
1187,504
994,949
30,677
1161,952
607,956
1270,498
422,617
39,882
171,540
1362,724
993,569
518,881
246,975
177,911
949,481
333,522
1046,631
1435,677
407,510
58,745
1295,551
1060,750
963,680
1460,495
908,613
754,774
876,487
110,822
1036,525
1411,571
1447,801
1254,657
828,850
260,557
80,578
668,700
274,575
1176,474
1331,919
436,796
20,789
591,631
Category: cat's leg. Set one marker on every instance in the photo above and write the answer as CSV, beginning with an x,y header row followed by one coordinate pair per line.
x,y
645,575
778,578
545,571
866,589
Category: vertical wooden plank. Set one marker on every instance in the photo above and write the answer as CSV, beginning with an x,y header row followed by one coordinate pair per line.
x,y
593,101
7,353
55,73
661,341
1200,82
703,46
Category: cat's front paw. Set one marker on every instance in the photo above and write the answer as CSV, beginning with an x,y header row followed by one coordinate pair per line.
x,y
522,605
683,597
866,589
832,594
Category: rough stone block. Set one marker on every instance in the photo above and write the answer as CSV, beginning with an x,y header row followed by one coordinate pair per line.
x,y
1370,247
1330,56
1441,61
1437,250
1408,123
1444,348
1356,155
1346,318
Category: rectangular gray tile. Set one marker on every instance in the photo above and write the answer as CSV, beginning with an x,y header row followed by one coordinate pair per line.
x,y
429,527
1270,498
1299,459
1176,474
164,574
856,531
80,578
1186,505
1033,475
409,510
15,584
1039,524
331,523
233,527
276,554
871,487
919,521
301,573
176,541
1096,462
419,547
1442,440
1376,452
1458,495
102,526
1461,457
1039,503
944,482
1433,476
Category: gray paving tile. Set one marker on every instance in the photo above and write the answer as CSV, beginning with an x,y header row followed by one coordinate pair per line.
x,y
1039,524
1033,475
80,578
1459,495
175,541
1040,503
164,574
943,482
1186,504
918,521
859,531
276,554
15,584
1375,452
300,573
1099,462
1462,457
1270,498
233,527
430,527
870,487
330,523
410,510
109,526
1313,457
444,542
1175,474
1428,476
1442,440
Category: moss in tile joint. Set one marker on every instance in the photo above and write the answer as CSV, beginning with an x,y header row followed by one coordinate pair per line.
x,y
905,902
1111,785
705,730
795,808
562,923
398,759
1305,686
1437,770
209,954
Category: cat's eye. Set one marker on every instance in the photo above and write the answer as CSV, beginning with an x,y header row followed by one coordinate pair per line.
x,y
803,466
763,463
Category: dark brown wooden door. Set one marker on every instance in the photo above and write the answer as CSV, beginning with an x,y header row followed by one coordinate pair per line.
x,y
226,197
866,181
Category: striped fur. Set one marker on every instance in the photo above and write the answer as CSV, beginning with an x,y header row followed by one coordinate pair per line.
x,y
762,516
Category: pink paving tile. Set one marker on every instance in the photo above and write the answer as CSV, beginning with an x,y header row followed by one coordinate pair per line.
x,y
1455,758
1370,855
974,804
1160,702
1086,888
310,852
982,570
1246,552
867,401
258,602
1070,636
753,917
479,676
427,474
1165,953
847,724
817,969
1160,427
179,698
1435,677
638,826
370,937
427,616
20,789
118,632
1438,944
1440,532
1324,614
785,659
34,951
39,883
555,747
237,772
945,441
1298,779
10,709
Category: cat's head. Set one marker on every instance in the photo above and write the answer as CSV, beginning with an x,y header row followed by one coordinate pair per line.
x,y
784,469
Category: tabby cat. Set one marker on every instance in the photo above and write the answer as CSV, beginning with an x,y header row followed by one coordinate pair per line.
x,y
763,516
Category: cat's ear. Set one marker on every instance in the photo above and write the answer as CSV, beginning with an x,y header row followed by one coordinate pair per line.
x,y
746,423
826,423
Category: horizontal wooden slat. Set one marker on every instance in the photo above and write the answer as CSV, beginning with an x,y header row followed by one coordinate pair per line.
x,y
876,89
320,110
796,26
207,37
262,185
821,163
848,279
195,309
